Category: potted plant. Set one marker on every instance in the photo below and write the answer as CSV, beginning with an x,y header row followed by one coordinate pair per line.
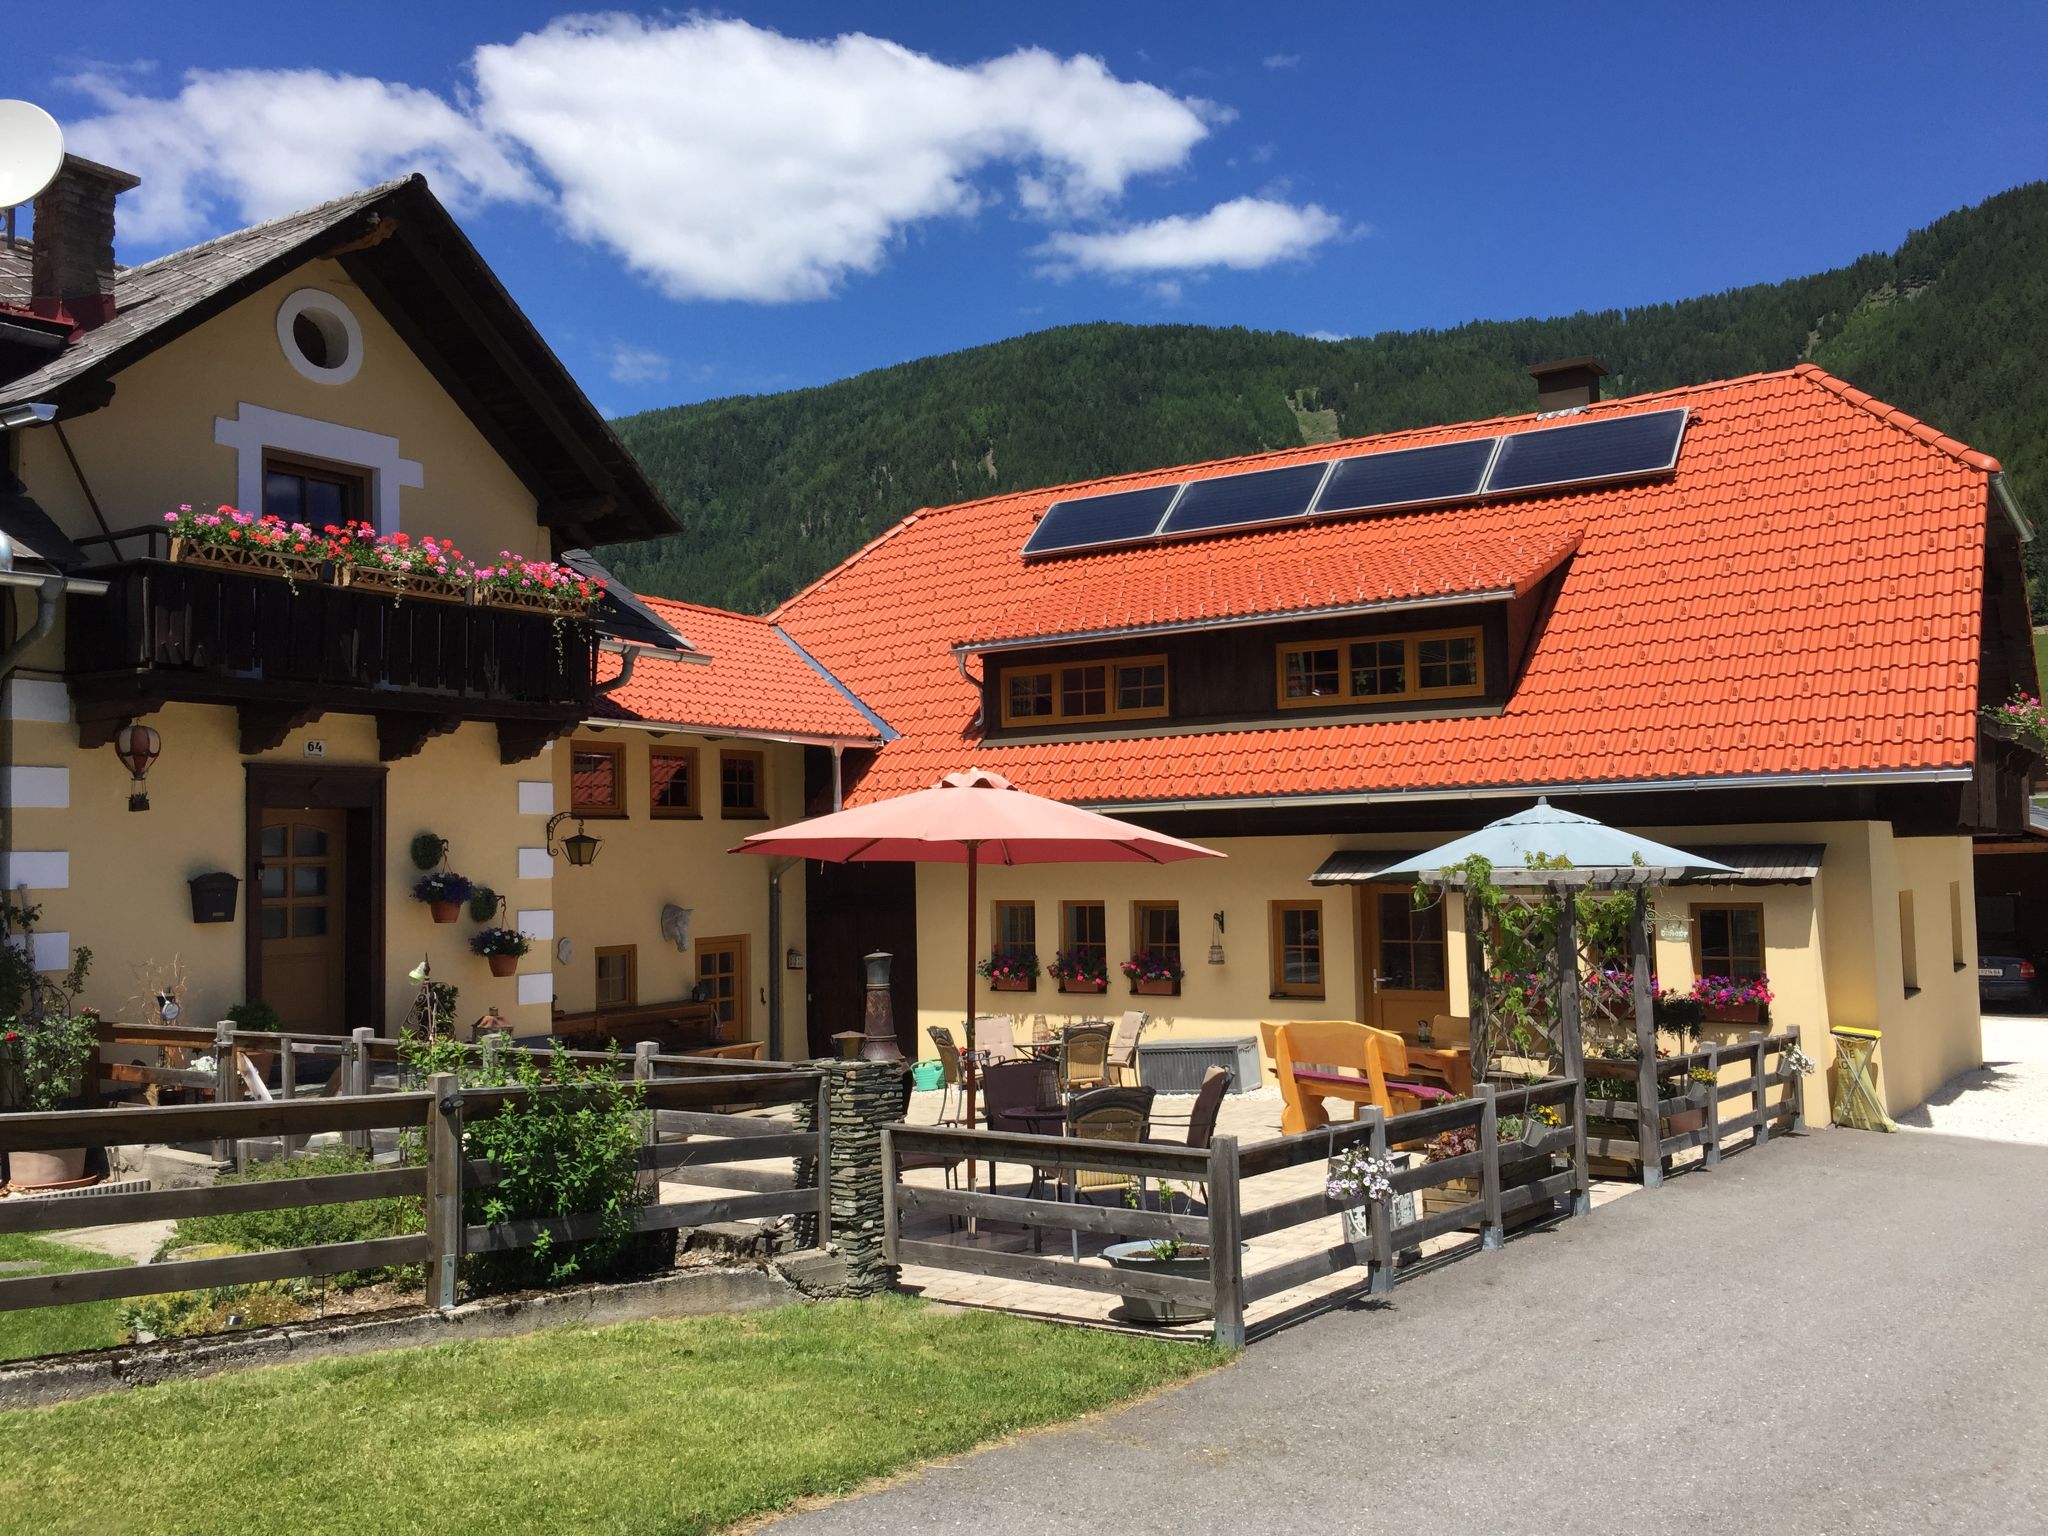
x,y
1695,1118
540,586
1517,1165
265,545
1161,1256
1681,1013
503,947
1011,970
49,1057
1080,971
444,893
1153,975
1734,999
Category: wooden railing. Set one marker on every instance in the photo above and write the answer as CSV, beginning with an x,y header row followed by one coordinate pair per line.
x,y
1615,1125
717,1111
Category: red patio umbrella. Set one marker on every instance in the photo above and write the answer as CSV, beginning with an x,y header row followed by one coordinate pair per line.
x,y
964,819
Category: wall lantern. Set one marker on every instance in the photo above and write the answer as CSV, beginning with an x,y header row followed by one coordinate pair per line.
x,y
1216,939
137,746
579,845
794,959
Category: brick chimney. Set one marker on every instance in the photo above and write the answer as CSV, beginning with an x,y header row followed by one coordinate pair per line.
x,y
1567,383
71,274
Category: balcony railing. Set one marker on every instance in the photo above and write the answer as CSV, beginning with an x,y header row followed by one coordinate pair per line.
x,y
285,653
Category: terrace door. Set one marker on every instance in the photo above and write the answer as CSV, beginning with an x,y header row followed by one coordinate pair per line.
x,y
1406,981
301,917
722,982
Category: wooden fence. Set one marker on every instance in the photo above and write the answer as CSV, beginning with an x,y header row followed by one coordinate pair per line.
x,y
715,1112
1513,1177
1615,1125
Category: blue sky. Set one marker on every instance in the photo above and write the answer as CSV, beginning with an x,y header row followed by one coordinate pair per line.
x,y
694,204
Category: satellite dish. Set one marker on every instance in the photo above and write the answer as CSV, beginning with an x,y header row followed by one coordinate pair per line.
x,y
31,151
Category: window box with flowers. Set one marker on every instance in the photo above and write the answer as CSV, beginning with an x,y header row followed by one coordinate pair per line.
x,y
1734,999
1011,970
1152,975
536,586
503,947
398,564
444,893
265,546
1080,971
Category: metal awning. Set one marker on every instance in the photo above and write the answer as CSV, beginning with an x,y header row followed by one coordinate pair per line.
x,y
1763,863
1360,866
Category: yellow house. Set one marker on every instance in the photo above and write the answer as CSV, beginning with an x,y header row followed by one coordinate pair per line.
x,y
355,361
1759,619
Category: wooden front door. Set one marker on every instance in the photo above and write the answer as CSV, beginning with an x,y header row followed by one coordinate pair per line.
x,y
722,982
302,918
1406,981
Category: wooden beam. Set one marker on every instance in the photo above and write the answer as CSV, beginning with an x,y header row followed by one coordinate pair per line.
x,y
264,726
402,733
519,740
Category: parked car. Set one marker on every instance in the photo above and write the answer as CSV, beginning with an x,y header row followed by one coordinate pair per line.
x,y
2007,980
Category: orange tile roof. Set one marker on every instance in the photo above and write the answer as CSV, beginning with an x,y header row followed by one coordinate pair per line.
x,y
757,681
1801,597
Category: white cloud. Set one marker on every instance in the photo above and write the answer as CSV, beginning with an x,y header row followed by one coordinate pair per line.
x,y
1283,60
256,143
1243,234
1328,335
719,159
636,365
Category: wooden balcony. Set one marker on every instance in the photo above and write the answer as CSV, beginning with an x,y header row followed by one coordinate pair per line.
x,y
171,633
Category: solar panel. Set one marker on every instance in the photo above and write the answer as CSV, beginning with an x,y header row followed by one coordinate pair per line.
x,y
1407,477
1610,449
1088,522
1245,501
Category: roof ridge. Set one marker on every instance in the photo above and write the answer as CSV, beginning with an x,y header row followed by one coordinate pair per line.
x,y
1905,421
775,614
707,608
361,194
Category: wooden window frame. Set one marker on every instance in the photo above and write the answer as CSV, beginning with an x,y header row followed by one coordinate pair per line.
x,y
759,811
353,478
616,751
1411,641
1277,922
996,909
1054,670
737,945
631,954
1068,907
694,810
1762,936
1139,909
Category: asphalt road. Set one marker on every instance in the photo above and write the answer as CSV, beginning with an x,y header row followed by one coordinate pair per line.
x,y
1843,1332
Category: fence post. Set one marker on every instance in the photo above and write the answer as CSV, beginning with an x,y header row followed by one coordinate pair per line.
x,y
822,1238
1650,1140
650,1126
1226,1243
1379,1215
1795,1085
444,1188
1492,1230
890,1215
1582,1180
1712,1158
355,1079
226,1081
1760,1092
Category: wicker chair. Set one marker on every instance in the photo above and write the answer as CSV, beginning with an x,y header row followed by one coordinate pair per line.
x,y
949,1064
996,1034
1106,1114
1123,1049
1084,1058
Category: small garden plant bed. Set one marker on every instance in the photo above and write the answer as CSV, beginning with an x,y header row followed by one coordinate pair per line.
x,y
679,1426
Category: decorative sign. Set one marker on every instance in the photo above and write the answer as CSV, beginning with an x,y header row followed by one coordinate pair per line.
x,y
1674,930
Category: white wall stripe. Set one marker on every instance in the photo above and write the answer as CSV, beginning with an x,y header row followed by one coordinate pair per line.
x,y
52,951
536,797
536,922
35,698
37,789
536,987
534,864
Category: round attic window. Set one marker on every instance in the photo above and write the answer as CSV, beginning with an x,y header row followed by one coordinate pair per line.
x,y
320,337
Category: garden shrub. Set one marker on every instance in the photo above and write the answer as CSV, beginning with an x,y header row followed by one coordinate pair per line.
x,y
305,1226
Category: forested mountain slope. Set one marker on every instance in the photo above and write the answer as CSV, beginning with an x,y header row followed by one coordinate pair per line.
x,y
1953,327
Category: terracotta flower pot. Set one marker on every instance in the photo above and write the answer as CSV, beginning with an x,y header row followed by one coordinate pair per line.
x,y
1085,986
503,965
46,1170
1010,984
445,911
1161,986
1685,1120
1734,1013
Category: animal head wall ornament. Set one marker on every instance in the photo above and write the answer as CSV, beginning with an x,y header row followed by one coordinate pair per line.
x,y
675,926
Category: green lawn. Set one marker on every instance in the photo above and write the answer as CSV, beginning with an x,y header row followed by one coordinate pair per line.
x,y
51,1330
667,1426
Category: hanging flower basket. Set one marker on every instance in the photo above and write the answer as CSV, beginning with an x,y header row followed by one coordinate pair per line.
x,y
252,558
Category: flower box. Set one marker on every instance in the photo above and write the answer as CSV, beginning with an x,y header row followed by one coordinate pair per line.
x,y
1452,1193
1733,1013
1083,985
565,605
401,584
250,558
1011,984
1162,986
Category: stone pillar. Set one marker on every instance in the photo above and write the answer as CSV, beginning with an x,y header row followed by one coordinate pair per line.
x,y
864,1096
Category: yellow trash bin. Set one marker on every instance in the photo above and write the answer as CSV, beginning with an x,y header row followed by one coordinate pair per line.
x,y
1855,1097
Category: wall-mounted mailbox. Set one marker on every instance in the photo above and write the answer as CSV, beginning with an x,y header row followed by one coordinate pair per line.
x,y
213,897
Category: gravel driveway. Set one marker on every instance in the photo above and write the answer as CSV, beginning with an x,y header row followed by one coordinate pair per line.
x,y
2006,1099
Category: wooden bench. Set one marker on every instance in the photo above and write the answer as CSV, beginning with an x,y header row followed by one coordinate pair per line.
x,y
1319,1059
676,1027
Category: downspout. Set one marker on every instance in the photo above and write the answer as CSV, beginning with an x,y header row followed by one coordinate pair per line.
x,y
627,654
979,683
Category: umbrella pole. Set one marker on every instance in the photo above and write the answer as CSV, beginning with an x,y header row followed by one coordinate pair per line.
x,y
973,855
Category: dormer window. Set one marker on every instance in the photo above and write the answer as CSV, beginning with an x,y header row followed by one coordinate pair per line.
x,y
1126,688
1439,664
